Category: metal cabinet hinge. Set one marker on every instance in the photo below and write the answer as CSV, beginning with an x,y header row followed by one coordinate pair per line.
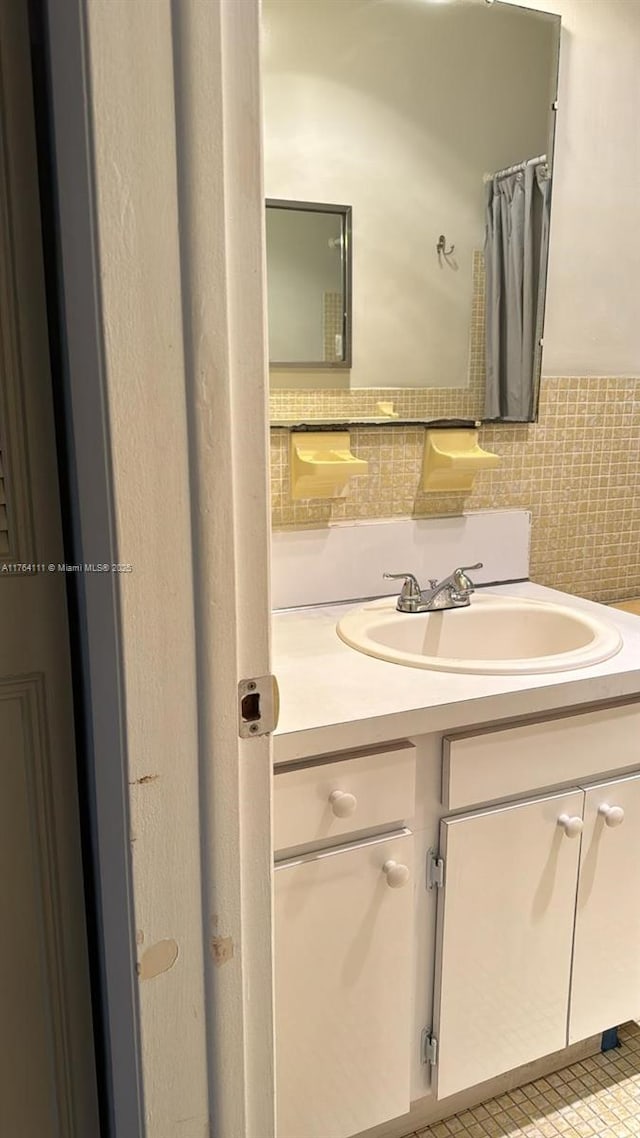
x,y
435,870
258,706
429,1048
554,105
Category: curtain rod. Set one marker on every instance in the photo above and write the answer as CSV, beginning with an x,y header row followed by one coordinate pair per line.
x,y
515,169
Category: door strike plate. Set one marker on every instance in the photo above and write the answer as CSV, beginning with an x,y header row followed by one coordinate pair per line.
x,y
429,1048
258,706
435,870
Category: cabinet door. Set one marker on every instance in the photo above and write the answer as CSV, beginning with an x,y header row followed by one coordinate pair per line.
x,y
343,929
605,988
505,931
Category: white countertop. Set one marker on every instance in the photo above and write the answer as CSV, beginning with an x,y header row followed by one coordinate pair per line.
x,y
334,698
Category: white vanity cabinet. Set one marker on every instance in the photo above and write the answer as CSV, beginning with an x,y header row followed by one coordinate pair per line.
x,y
343,1001
517,934
605,988
516,803
344,921
538,927
505,933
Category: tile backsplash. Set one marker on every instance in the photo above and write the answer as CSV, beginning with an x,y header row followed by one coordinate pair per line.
x,y
577,469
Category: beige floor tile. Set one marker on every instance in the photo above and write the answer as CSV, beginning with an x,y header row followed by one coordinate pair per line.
x,y
520,1117
493,1128
585,1128
596,1098
546,1127
503,1120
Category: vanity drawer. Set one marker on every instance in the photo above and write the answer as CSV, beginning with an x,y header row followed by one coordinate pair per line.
x,y
491,764
330,799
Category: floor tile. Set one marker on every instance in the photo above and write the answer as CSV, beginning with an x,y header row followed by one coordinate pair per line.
x,y
598,1097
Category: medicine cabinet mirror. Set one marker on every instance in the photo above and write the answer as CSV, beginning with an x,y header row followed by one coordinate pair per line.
x,y
309,284
413,112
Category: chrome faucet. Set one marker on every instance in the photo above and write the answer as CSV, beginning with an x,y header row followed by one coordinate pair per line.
x,y
452,593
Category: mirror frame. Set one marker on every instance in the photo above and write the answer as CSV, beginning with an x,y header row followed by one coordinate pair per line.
x,y
345,211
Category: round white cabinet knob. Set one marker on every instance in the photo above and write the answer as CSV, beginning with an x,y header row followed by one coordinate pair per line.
x,y
613,815
342,803
396,873
572,825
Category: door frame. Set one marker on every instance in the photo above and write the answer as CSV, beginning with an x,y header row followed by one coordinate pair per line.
x,y
157,126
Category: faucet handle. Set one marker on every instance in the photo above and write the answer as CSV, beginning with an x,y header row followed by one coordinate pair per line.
x,y
410,589
461,581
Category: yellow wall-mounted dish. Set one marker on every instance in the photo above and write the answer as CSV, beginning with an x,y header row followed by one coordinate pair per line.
x,y
452,458
322,464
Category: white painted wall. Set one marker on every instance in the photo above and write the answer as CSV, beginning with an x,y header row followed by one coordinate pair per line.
x,y
592,325
385,105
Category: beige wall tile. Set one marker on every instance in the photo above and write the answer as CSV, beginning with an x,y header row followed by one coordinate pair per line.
x,y
577,469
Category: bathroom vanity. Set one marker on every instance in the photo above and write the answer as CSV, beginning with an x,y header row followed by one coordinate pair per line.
x,y
457,869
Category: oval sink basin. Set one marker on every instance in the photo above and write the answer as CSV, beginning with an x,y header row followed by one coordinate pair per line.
x,y
499,635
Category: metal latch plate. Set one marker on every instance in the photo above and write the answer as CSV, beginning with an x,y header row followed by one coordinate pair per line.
x,y
258,706
435,870
429,1048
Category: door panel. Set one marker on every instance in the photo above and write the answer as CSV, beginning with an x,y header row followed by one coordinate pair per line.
x,y
343,957
505,930
23,948
47,1075
605,988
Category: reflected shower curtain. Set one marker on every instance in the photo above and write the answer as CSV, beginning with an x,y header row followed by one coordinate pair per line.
x,y
515,256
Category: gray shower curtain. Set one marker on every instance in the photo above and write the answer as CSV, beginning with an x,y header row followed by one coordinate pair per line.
x,y
515,254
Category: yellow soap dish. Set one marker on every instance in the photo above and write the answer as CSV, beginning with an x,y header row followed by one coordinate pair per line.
x,y
452,458
385,407
322,464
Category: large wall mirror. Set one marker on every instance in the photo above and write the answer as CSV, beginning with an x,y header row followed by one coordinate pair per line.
x,y
435,122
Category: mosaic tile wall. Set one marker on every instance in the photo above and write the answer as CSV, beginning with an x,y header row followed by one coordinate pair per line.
x,y
577,469
331,325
